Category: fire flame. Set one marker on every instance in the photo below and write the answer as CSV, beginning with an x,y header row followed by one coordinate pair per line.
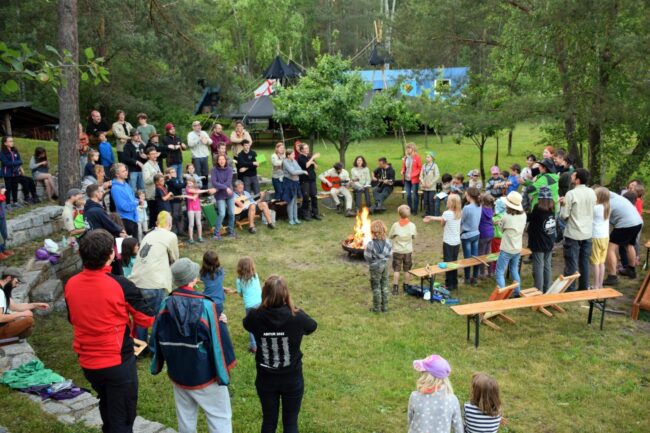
x,y
361,235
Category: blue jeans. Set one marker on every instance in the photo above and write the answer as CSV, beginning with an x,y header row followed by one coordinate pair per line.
x,y
3,231
412,198
136,181
201,167
179,169
277,187
508,261
470,248
221,214
436,206
576,258
153,299
251,345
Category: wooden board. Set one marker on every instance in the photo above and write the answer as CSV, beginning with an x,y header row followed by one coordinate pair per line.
x,y
460,264
642,298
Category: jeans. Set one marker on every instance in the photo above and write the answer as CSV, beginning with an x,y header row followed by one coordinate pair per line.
x,y
277,188
436,206
357,197
136,181
428,202
221,214
178,168
381,193
3,231
484,247
511,262
215,402
576,258
83,160
450,254
270,389
252,185
200,165
178,222
470,248
292,210
130,227
412,198
542,273
379,286
251,338
153,298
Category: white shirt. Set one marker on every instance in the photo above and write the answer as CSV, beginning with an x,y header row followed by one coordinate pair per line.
x,y
3,303
451,232
194,141
600,225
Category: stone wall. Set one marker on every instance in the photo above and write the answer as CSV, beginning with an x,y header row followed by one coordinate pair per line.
x,y
37,223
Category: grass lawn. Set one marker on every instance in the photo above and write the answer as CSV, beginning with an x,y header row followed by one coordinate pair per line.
x,y
556,375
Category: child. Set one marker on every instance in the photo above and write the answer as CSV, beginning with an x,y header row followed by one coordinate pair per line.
x,y
541,236
248,286
600,236
78,221
143,215
434,408
175,186
89,169
496,183
401,235
190,173
446,188
163,196
377,253
483,410
469,232
450,220
512,224
475,179
499,211
194,208
457,186
4,252
106,157
428,180
486,231
513,178
130,248
212,274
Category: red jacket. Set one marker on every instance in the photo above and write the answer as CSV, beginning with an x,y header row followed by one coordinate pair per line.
x,y
416,168
99,305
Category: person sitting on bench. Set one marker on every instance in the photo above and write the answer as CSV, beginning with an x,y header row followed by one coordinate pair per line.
x,y
244,201
16,320
337,179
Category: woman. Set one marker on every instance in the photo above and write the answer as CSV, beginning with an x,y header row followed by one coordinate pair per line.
x,y
13,173
39,166
278,327
122,131
411,167
291,191
16,320
221,179
278,173
238,136
361,181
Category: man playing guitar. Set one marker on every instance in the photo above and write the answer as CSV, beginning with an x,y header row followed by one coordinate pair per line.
x,y
244,202
335,181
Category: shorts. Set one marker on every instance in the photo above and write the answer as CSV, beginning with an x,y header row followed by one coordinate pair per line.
x,y
402,262
598,250
625,236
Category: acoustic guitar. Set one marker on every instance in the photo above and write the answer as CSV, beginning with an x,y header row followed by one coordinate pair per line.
x,y
334,180
245,204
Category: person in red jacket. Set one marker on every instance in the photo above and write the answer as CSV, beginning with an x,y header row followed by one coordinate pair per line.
x,y
100,308
411,167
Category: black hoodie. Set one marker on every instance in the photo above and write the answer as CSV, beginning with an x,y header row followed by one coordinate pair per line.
x,y
278,335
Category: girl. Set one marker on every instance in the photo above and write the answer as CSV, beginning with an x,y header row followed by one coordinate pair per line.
x,y
163,197
411,167
483,411
291,186
360,184
278,173
212,274
434,408
221,178
190,173
278,327
248,286
13,174
428,180
541,236
39,166
486,230
600,236
130,248
377,253
512,224
89,169
143,214
469,232
450,220
194,209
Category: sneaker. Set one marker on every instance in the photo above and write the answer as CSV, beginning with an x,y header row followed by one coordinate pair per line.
x,y
316,217
252,349
339,208
252,230
292,223
200,240
190,241
611,280
297,221
395,290
350,213
217,237
232,235
374,309
271,226
629,272
306,218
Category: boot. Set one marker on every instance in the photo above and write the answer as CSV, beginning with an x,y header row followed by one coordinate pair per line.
x,y
405,286
376,302
339,208
629,272
395,289
611,280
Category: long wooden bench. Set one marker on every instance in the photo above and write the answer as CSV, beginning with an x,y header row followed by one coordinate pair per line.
x,y
647,255
474,311
429,272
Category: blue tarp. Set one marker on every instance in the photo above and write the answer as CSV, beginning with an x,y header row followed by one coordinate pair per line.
x,y
415,80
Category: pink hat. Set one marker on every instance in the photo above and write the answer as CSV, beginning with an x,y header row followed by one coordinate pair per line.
x,y
169,126
495,170
436,365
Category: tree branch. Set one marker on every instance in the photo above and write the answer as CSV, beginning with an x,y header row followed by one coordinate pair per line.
x,y
517,5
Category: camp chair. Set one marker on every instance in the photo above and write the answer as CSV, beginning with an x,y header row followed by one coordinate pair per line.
x,y
498,294
560,285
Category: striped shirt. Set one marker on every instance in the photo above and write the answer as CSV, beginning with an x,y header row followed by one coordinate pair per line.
x,y
477,422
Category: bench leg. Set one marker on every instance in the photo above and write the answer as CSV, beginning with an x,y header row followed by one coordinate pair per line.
x,y
602,316
477,321
469,319
591,312
647,256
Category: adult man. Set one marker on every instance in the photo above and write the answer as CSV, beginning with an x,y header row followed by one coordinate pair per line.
x,y
238,136
134,158
337,179
94,126
247,168
68,213
95,214
122,131
384,177
174,147
100,308
145,130
309,207
218,137
627,224
198,361
126,204
199,142
16,319
152,269
149,170
578,210
244,202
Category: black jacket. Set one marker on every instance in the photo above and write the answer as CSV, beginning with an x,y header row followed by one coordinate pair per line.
x,y
311,171
278,335
174,156
94,129
97,218
132,154
246,160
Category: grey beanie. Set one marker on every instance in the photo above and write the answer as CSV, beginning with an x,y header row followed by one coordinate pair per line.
x,y
184,271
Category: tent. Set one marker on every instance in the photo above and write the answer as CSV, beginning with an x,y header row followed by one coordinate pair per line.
x,y
280,70
255,110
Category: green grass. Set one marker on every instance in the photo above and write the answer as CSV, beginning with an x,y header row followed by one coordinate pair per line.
x,y
556,375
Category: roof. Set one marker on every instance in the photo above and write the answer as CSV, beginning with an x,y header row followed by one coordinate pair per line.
x,y
23,115
207,91
280,70
415,80
256,108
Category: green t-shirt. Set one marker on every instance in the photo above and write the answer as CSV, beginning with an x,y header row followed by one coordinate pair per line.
x,y
146,132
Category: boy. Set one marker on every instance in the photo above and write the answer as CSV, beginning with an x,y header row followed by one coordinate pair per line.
x,y
106,157
457,186
496,184
475,179
247,168
377,253
513,179
143,215
175,186
144,128
401,235
446,189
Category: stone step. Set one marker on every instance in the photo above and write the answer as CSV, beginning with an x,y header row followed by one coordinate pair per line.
x,y
48,291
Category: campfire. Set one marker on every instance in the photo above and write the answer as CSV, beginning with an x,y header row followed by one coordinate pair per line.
x,y
356,242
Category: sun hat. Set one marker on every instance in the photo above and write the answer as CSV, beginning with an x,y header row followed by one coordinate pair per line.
x,y
513,201
549,164
184,271
545,193
500,205
435,365
495,170
169,126
473,173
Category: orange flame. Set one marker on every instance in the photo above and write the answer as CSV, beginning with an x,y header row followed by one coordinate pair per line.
x,y
361,235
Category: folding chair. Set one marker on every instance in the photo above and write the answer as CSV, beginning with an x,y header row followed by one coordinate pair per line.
x,y
560,285
498,294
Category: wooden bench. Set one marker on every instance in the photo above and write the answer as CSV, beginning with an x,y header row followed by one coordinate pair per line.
x,y
429,272
474,311
647,255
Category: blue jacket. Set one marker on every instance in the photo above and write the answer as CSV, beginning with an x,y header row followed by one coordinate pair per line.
x,y
11,163
126,204
188,336
106,157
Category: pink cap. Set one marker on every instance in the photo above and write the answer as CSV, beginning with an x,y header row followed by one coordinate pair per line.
x,y
436,365
495,170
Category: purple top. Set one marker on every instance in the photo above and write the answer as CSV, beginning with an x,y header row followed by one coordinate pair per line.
x,y
486,227
221,179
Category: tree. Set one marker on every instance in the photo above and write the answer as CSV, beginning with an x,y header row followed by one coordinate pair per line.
x,y
394,108
328,101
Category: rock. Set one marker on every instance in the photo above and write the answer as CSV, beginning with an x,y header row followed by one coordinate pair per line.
x,y
59,305
34,278
3,430
53,211
23,222
37,265
21,359
4,363
17,238
92,418
66,419
84,401
55,408
141,425
17,349
168,430
49,291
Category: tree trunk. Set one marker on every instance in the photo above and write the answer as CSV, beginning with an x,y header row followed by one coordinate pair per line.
x,y
595,152
426,136
343,147
568,104
481,148
510,142
69,176
496,158
633,159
